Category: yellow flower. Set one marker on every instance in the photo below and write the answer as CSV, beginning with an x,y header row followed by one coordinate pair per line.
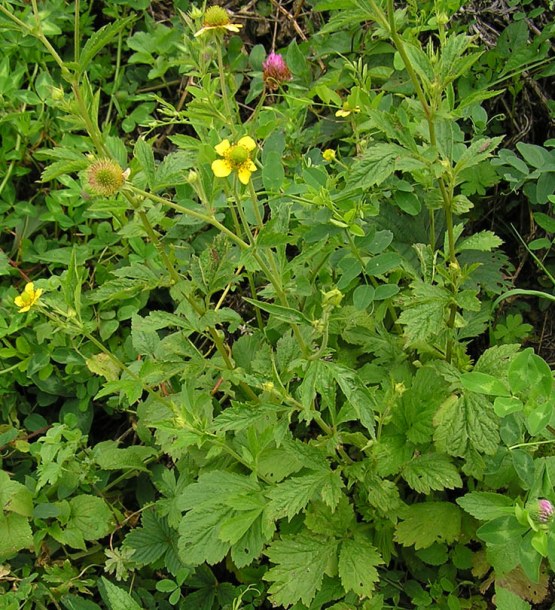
x,y
217,19
236,157
329,154
28,297
346,110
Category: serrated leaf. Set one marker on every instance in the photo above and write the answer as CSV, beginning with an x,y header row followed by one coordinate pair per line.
x,y
153,540
102,364
74,602
14,496
484,241
217,500
287,314
91,516
358,559
466,422
293,495
301,561
145,156
483,383
477,152
116,598
99,39
15,534
111,457
432,471
486,505
429,522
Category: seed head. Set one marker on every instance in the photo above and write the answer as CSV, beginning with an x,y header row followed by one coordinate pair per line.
x,y
105,177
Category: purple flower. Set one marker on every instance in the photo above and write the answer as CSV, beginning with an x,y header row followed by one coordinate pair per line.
x,y
545,511
275,71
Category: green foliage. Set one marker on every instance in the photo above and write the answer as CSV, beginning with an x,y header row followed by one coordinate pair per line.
x,y
244,325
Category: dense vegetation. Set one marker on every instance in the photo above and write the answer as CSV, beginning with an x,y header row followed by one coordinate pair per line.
x,y
277,283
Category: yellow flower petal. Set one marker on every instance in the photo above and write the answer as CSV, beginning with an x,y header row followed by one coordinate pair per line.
x,y
233,27
221,168
247,142
244,174
251,166
343,113
19,301
30,289
222,147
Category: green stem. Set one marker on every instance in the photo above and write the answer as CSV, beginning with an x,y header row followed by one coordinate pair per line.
x,y
90,125
76,30
273,278
223,87
192,213
254,199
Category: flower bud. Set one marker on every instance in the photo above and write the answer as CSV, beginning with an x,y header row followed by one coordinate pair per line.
x,y
329,154
332,298
545,510
275,71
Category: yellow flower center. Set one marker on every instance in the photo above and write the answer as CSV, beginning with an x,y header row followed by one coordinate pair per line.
x,y
216,16
237,155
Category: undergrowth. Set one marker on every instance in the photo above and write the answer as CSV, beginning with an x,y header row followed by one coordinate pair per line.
x,y
272,278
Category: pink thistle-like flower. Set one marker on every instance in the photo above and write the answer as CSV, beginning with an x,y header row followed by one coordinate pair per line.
x,y
275,71
545,510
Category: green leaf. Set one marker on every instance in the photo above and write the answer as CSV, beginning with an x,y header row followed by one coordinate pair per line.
x,y
429,522
99,39
486,505
424,313
293,495
534,155
358,559
375,166
482,383
116,598
74,602
301,562
91,516
102,364
477,152
363,295
15,497
110,457
281,313
431,471
508,600
15,534
501,530
464,423
153,540
145,156
357,394
382,263
484,241
224,510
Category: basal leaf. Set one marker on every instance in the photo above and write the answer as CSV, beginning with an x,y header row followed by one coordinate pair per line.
x,y
301,562
431,471
358,559
111,457
15,534
154,539
428,522
91,516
